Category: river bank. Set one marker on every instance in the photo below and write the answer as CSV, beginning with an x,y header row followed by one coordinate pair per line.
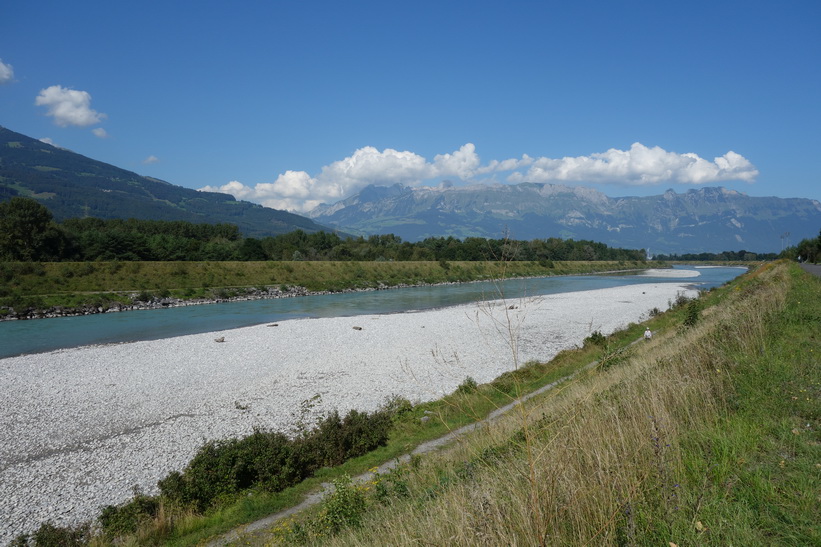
x,y
82,427
49,290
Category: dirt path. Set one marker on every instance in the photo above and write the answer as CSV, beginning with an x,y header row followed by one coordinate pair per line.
x,y
814,269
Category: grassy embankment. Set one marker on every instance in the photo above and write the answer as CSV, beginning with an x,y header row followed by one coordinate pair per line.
x,y
104,284
707,435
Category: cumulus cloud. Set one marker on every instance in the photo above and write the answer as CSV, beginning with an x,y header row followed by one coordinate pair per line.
x,y
299,191
68,106
100,132
370,166
463,163
151,159
6,73
640,165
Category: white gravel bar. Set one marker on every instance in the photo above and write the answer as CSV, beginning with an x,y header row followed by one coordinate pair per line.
x,y
80,428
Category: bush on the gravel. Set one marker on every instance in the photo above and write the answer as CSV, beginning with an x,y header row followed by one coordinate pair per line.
x,y
124,519
467,386
220,468
50,535
273,461
596,338
338,440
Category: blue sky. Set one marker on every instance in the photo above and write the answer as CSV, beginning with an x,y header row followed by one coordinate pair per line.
x,y
291,103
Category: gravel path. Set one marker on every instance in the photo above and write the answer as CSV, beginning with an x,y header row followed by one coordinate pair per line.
x,y
80,428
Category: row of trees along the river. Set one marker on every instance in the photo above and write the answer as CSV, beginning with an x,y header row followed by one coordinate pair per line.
x,y
725,256
807,250
29,233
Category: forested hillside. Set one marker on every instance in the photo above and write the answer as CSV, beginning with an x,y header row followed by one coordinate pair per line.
x,y
74,186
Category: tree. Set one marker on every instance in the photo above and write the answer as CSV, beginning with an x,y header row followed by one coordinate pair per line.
x,y
27,231
809,249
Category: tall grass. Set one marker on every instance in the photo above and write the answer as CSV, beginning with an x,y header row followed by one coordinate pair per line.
x,y
708,434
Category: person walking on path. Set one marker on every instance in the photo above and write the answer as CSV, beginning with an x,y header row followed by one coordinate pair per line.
x,y
648,334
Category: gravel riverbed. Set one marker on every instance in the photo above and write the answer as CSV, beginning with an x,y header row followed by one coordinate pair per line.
x,y
81,428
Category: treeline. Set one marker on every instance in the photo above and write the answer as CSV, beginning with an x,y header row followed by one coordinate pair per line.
x,y
29,233
725,256
809,250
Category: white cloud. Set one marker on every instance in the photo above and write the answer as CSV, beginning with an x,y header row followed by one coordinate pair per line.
x,y
48,140
639,166
495,166
151,159
100,132
6,73
235,188
462,163
370,166
299,191
68,106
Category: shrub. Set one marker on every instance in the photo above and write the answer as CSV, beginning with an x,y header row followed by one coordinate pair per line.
x,y
596,338
692,313
50,535
223,468
681,300
124,519
338,440
344,507
143,296
505,383
271,460
469,385
86,268
397,406
221,294
22,304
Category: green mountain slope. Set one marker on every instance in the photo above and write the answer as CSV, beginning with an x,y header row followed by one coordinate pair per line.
x,y
72,186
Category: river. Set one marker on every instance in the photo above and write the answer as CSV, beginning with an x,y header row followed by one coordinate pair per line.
x,y
42,335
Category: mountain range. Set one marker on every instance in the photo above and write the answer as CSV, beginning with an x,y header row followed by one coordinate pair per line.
x,y
703,220
74,186
708,219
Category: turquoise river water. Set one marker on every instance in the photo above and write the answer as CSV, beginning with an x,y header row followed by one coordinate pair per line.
x,y
40,335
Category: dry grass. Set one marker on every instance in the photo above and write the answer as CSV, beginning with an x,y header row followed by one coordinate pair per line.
x,y
597,461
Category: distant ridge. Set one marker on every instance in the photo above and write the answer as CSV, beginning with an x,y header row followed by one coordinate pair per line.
x,y
74,186
711,219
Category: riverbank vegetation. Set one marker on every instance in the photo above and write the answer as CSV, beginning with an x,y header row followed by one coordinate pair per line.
x,y
807,250
725,257
706,434
90,287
